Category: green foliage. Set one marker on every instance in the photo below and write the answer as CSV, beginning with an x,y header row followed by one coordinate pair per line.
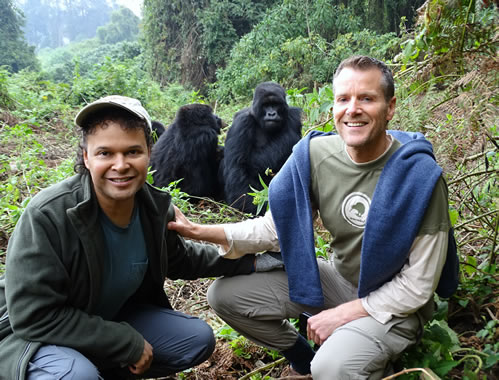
x,y
38,100
317,106
441,351
241,346
172,41
129,79
124,26
14,50
124,78
322,247
261,197
297,44
60,64
238,342
186,39
451,28
27,172
224,22
5,99
383,16
435,350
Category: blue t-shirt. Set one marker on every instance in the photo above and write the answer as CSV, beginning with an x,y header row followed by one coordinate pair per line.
x,y
124,264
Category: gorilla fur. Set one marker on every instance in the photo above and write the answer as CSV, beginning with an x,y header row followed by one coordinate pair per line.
x,y
158,128
188,149
261,136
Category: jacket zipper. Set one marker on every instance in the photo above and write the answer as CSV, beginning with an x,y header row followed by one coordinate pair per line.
x,y
19,364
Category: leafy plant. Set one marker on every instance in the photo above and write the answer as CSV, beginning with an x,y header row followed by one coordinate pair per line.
x,y
238,342
449,29
261,197
28,172
322,247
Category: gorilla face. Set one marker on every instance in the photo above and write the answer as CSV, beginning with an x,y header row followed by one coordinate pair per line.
x,y
269,106
272,113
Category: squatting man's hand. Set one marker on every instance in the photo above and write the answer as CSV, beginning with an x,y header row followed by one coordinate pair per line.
x,y
322,325
144,362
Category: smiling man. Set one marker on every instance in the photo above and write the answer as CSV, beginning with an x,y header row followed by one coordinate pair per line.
x,y
382,197
82,296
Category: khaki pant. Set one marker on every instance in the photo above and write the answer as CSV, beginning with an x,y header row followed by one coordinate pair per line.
x,y
258,306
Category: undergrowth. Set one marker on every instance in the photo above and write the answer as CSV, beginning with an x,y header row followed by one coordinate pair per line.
x,y
447,91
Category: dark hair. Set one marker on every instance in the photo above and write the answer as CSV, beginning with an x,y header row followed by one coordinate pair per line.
x,y
362,62
101,118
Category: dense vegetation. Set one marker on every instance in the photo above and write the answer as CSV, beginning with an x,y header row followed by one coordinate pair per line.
x,y
15,53
445,62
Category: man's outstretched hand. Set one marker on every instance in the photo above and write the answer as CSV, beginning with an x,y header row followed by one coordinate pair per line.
x,y
182,225
213,233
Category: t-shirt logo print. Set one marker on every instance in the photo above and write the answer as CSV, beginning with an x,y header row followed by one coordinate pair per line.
x,y
355,208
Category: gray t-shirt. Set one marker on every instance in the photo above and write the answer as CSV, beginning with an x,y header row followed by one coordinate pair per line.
x,y
342,191
124,264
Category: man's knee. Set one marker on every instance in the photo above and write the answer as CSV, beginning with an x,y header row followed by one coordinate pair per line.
x,y
341,369
199,347
53,362
324,369
85,370
219,296
206,341
348,354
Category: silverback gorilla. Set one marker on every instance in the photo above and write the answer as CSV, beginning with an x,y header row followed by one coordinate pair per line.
x,y
188,149
261,136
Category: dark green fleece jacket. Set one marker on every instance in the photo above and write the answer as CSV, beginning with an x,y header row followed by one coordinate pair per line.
x,y
53,276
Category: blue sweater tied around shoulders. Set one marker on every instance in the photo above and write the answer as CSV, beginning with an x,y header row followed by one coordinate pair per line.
x,y
411,173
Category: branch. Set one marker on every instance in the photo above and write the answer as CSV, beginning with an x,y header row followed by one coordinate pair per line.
x,y
475,218
428,374
260,369
320,125
472,175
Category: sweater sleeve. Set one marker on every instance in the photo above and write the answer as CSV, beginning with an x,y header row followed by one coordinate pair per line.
x,y
251,236
415,284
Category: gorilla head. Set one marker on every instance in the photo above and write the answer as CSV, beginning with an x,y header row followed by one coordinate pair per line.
x,y
192,116
269,106
189,150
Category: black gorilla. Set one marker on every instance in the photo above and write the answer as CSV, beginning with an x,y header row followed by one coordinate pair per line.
x,y
189,149
261,136
158,128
